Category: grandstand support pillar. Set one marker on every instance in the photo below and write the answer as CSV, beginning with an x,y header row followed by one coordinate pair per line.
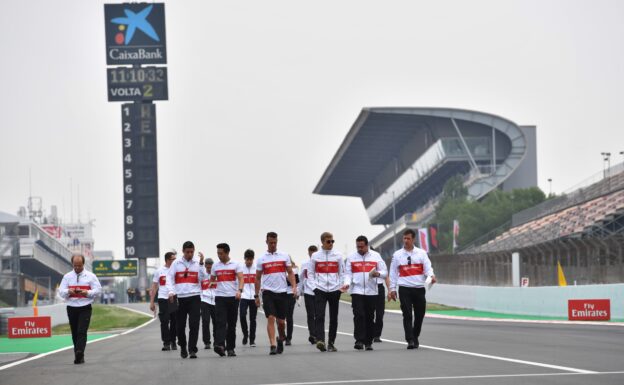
x,y
493,170
461,138
515,269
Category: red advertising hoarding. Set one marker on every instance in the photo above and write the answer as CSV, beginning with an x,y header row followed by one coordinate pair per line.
x,y
589,310
30,327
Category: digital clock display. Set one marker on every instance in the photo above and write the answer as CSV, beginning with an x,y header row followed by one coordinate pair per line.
x,y
137,84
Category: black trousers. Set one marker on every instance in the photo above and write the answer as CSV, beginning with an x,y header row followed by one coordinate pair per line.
x,y
412,300
363,317
290,311
208,313
225,325
322,298
380,308
167,319
79,319
191,307
253,311
311,313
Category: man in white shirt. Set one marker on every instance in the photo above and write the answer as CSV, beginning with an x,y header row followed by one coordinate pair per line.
x,y
79,287
272,270
362,269
184,282
306,286
247,300
290,303
208,309
166,312
229,277
409,270
326,269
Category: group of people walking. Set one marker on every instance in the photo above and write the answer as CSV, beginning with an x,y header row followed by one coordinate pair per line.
x,y
190,289
193,289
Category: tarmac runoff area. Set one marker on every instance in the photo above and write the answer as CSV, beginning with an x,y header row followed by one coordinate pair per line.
x,y
453,351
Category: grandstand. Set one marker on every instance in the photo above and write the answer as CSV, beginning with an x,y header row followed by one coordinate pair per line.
x,y
582,230
397,161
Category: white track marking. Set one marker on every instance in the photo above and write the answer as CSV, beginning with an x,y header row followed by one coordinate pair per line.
x,y
499,358
486,376
38,356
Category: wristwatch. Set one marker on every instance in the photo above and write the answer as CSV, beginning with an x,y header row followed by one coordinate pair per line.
x,y
256,296
241,290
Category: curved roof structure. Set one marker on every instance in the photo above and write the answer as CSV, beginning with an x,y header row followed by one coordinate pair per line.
x,y
405,155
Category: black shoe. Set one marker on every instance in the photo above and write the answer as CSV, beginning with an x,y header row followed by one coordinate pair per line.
x,y
312,340
358,345
377,340
166,348
416,343
410,344
193,355
273,350
280,346
207,346
369,347
245,340
220,350
252,344
183,352
79,358
320,345
331,347
231,353
174,346
288,343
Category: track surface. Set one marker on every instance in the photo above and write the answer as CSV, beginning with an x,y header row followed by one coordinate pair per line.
x,y
452,352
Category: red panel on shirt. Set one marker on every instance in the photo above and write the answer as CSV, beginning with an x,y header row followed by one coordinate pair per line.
x,y
250,278
226,275
274,267
326,267
362,267
81,287
191,277
205,284
162,280
409,270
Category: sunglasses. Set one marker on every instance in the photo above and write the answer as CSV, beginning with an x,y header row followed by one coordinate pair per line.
x,y
409,259
330,241
186,273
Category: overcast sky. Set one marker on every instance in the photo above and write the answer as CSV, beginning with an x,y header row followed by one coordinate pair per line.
x,y
262,93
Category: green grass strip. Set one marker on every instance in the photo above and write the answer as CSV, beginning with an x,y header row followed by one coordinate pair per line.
x,y
106,318
40,345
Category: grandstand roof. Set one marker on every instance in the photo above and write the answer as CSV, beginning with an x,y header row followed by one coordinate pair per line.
x,y
405,155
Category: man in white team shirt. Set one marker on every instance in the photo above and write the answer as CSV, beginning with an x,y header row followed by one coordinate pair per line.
x,y
272,269
326,269
247,300
208,309
362,269
184,282
409,270
79,287
167,313
229,277
306,286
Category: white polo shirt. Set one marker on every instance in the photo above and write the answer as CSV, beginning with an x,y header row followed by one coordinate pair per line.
x,y
160,277
273,267
227,280
249,275
85,280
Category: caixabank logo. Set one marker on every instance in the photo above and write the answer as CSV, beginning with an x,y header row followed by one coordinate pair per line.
x,y
135,33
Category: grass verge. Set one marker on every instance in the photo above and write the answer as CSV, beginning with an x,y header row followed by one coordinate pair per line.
x,y
107,317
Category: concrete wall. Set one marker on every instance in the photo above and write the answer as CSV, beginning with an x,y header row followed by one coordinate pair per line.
x,y
57,312
541,301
